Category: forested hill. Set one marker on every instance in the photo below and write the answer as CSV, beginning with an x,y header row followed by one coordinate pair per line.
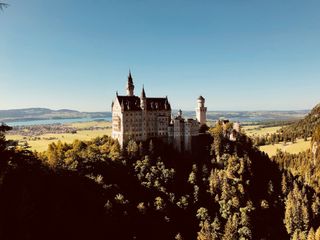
x,y
45,113
95,190
223,190
306,126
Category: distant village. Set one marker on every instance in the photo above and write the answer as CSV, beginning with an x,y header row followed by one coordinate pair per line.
x,y
38,130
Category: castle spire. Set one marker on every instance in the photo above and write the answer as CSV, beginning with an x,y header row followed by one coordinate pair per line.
x,y
130,77
143,93
143,99
130,86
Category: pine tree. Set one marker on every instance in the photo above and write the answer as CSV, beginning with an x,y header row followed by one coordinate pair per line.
x,y
231,227
132,148
317,234
311,234
284,187
205,232
296,211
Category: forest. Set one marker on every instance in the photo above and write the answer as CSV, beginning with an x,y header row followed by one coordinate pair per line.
x,y
302,129
96,190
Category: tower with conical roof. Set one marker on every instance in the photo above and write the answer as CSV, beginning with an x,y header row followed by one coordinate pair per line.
x,y
130,86
143,100
201,111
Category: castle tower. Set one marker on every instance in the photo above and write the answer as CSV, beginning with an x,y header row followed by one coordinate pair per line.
x,y
130,86
143,100
144,115
201,111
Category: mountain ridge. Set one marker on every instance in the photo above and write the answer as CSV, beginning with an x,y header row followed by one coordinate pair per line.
x,y
24,114
46,113
307,125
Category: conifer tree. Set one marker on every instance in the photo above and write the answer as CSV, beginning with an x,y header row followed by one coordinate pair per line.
x,y
230,230
317,234
311,234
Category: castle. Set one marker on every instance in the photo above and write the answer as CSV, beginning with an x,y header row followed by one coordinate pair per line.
x,y
142,118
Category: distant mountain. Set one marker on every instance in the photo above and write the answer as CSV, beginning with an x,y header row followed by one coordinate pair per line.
x,y
257,116
251,116
45,113
306,126
26,114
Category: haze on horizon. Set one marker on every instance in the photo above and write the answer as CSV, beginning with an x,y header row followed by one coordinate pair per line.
x,y
240,55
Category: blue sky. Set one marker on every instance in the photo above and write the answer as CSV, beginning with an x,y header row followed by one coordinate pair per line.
x,y
239,54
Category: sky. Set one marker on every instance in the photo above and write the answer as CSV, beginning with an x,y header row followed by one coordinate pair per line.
x,y
239,54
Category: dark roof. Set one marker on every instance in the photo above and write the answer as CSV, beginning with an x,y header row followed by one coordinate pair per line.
x,y
132,103
143,93
158,104
129,103
200,98
130,78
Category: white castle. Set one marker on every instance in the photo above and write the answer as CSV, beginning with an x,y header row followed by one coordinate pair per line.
x,y
142,118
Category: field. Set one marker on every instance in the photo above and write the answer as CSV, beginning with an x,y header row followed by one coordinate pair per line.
x,y
82,134
259,130
89,130
256,130
297,147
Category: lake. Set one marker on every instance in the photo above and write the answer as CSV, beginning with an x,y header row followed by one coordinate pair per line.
x,y
56,121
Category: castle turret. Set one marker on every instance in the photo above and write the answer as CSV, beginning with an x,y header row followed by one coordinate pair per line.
x,y
201,111
143,100
130,86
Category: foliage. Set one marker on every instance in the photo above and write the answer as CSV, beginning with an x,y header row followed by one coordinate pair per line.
x,y
223,190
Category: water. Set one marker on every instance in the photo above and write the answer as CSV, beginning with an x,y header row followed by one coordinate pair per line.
x,y
55,121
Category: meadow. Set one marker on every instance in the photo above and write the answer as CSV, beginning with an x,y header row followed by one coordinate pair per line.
x,y
89,130
299,146
256,130
85,131
260,130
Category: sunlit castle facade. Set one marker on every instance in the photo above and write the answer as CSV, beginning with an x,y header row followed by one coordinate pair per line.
x,y
142,118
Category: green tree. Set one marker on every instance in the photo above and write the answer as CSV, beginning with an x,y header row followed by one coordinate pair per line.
x,y
192,178
159,204
132,148
231,228
296,211
311,234
284,187
202,214
317,234
178,237
216,147
205,232
115,150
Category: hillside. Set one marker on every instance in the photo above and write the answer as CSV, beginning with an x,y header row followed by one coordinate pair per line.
x,y
145,191
95,190
45,113
306,126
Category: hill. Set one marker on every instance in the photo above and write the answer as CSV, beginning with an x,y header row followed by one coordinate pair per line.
x,y
306,126
144,191
45,113
96,190
28,114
